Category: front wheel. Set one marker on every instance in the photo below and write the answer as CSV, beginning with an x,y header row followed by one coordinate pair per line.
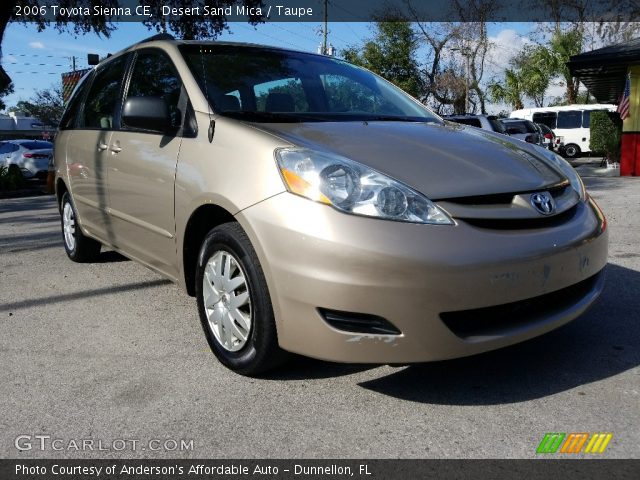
x,y
79,247
234,303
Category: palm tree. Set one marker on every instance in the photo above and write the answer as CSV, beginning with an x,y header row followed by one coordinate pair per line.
x,y
509,92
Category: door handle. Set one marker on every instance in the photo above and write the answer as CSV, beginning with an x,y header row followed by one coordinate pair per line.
x,y
116,149
102,147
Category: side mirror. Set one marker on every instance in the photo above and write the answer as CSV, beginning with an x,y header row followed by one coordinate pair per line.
x,y
147,113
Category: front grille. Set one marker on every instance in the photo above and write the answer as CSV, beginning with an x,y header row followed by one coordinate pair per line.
x,y
358,322
496,320
523,223
556,191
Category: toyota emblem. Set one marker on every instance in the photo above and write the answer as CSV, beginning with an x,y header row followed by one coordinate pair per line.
x,y
543,202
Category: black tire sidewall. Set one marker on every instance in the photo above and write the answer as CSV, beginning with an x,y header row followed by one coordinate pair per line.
x,y
260,343
575,149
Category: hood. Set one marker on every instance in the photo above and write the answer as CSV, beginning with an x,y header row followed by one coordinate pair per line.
x,y
440,161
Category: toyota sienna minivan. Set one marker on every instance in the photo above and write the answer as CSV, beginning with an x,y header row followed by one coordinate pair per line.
x,y
312,207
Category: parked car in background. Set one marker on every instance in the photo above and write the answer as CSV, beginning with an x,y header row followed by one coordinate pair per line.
x,y
311,206
524,130
548,137
486,122
570,124
30,156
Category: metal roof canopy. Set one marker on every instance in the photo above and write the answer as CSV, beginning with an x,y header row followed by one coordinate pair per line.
x,y
603,71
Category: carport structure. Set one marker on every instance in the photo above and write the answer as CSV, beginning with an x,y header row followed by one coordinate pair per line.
x,y
604,72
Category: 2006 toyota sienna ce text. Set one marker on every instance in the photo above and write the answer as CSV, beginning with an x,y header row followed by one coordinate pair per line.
x,y
313,207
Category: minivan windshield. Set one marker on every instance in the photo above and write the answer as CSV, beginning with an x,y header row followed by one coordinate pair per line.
x,y
270,85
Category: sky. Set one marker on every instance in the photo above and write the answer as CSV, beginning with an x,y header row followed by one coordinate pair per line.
x,y
35,60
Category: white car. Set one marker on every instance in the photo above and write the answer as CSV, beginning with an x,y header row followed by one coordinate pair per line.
x,y
30,156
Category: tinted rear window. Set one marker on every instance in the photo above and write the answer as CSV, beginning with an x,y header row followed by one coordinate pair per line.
x,y
36,145
496,125
522,126
474,122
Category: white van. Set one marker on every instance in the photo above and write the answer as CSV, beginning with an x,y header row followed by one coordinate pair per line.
x,y
570,123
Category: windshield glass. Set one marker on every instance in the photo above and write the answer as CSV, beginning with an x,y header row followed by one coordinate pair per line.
x,y
261,84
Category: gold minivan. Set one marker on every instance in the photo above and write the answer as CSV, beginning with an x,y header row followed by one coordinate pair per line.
x,y
312,207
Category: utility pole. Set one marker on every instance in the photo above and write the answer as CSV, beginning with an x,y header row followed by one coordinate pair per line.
x,y
325,48
325,31
73,62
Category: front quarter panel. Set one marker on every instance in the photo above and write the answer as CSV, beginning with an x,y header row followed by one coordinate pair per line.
x,y
236,170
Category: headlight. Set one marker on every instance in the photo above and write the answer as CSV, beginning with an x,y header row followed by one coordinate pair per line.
x,y
354,188
566,168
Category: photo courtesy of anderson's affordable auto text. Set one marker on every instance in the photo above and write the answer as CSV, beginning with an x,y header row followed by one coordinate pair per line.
x,y
286,239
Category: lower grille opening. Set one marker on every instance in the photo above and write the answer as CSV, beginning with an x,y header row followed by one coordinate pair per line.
x,y
358,322
490,321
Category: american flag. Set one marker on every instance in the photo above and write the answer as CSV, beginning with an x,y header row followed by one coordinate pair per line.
x,y
623,107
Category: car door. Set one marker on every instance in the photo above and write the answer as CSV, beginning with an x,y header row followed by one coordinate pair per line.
x,y
142,167
87,149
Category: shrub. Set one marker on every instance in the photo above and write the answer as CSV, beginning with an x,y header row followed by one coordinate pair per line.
x,y
606,132
10,178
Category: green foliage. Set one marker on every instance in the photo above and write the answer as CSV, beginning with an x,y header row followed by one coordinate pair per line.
x,y
5,90
535,69
606,132
562,46
392,54
510,91
46,105
10,178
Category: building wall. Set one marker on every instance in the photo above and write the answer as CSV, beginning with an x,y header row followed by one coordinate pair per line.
x,y
630,159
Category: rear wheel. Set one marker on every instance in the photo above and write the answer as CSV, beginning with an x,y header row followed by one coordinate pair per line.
x,y
79,247
234,303
572,151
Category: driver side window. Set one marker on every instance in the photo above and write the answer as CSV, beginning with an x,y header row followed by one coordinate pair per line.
x,y
155,76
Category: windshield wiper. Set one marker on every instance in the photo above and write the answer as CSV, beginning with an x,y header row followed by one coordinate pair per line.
x,y
253,115
395,118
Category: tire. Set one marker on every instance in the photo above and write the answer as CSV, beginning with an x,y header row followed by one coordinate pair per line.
x,y
571,151
79,248
238,321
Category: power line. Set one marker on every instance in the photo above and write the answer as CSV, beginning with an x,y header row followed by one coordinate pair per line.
x,y
32,55
37,64
269,36
313,40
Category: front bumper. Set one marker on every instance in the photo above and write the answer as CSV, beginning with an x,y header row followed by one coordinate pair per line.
x,y
316,257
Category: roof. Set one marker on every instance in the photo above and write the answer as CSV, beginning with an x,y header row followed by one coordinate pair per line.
x,y
603,71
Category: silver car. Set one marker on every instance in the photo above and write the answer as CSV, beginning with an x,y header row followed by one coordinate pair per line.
x,y
30,156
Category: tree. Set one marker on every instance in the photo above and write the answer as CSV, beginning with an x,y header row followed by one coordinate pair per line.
x,y
391,54
445,75
510,91
606,129
6,89
185,26
46,105
535,69
562,46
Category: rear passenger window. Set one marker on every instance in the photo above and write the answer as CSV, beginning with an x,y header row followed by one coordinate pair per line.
x,y
102,101
154,75
570,119
70,115
546,118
